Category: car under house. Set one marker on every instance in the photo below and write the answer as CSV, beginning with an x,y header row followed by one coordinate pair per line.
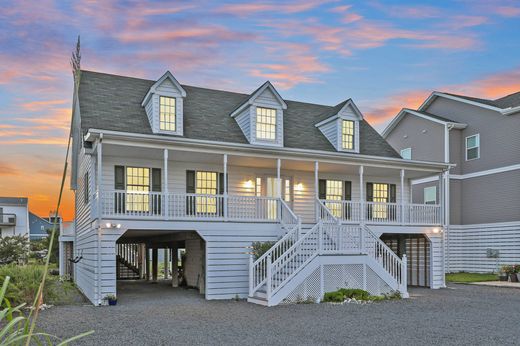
x,y
197,175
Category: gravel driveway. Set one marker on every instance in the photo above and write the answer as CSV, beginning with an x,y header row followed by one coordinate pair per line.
x,y
149,314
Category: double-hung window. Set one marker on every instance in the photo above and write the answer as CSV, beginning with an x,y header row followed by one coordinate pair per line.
x,y
347,134
167,114
137,189
206,184
473,147
265,124
334,192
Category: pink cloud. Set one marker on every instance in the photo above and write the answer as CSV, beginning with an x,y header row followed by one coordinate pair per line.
x,y
246,9
206,33
412,12
508,11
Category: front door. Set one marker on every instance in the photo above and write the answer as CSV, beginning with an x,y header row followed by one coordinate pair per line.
x,y
268,187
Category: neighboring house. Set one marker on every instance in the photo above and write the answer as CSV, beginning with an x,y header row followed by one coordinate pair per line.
x,y
38,226
482,138
160,165
66,243
14,216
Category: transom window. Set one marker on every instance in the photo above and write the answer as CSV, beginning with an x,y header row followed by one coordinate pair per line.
x,y
347,134
430,195
406,153
167,113
137,189
206,184
266,123
334,192
380,197
473,147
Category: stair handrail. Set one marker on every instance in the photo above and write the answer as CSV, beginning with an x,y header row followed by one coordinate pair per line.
x,y
259,267
322,209
290,254
393,264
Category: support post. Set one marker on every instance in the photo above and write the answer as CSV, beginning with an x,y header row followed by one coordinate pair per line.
x,y
361,195
155,267
225,188
98,192
322,283
269,278
404,276
165,209
175,267
251,274
316,189
166,263
147,264
402,214
278,178
142,261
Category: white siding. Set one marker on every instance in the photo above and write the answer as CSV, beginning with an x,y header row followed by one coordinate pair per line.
x,y
22,221
436,260
194,273
267,99
244,121
468,245
330,131
166,88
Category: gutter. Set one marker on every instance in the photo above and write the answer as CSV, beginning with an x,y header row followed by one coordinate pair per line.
x,y
310,155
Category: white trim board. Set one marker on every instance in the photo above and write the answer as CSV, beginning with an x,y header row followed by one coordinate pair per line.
x,y
469,175
431,98
487,225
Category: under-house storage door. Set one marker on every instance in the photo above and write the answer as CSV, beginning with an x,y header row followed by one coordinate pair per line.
x,y
418,253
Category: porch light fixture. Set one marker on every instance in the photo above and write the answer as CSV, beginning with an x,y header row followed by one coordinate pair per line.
x,y
249,184
298,187
113,225
436,230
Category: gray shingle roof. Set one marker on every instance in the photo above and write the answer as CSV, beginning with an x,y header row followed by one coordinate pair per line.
x,y
14,200
111,102
508,101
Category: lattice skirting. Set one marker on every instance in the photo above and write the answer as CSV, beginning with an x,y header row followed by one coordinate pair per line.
x,y
336,276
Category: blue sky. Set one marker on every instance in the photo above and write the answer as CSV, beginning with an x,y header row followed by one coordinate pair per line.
x,y
386,55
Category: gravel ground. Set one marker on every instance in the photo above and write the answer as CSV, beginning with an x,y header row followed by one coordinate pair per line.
x,y
149,314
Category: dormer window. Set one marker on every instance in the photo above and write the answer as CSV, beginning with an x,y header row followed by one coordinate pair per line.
x,y
265,123
347,134
167,113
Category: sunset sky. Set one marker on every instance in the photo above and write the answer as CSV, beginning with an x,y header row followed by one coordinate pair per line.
x,y
386,55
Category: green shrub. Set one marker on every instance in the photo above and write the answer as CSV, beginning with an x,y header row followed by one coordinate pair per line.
x,y
14,249
342,294
25,281
261,247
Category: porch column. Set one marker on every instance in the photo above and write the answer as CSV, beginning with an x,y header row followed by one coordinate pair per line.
x,y
316,189
99,176
142,260
166,263
175,266
361,195
155,262
402,197
278,178
165,209
225,188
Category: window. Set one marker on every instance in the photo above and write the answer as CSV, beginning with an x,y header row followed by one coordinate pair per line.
x,y
266,123
206,184
406,153
334,192
86,192
258,187
380,198
473,147
287,191
347,134
167,113
430,195
137,189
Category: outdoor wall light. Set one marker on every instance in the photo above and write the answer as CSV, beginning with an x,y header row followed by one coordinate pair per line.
x,y
436,230
249,184
113,225
298,187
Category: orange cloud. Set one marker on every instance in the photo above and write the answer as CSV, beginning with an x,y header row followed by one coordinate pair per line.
x,y
384,110
38,105
8,169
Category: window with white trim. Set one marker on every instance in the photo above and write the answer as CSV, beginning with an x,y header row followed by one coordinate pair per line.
x,y
347,134
380,198
473,147
334,192
265,123
406,153
430,195
206,184
137,189
167,114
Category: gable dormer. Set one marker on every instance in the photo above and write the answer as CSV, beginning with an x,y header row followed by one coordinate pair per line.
x,y
341,126
164,105
261,116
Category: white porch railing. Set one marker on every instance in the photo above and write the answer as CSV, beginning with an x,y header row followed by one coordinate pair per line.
x,y
190,206
381,213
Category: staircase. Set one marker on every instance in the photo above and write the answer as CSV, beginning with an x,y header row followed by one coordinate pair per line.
x,y
327,257
127,262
